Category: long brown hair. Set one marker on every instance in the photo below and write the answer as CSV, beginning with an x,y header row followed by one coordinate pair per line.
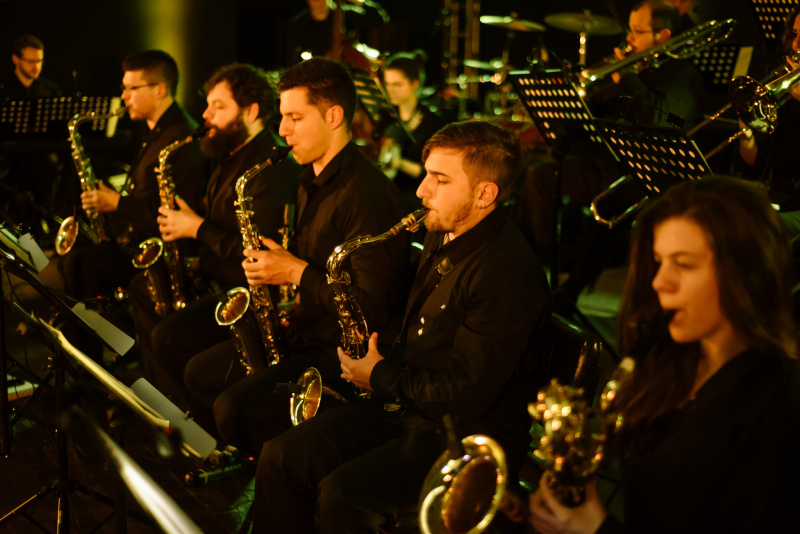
x,y
752,257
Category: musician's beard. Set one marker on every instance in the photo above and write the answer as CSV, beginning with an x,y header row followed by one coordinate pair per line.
x,y
224,140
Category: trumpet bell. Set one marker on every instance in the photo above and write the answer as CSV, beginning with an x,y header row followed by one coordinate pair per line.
x,y
462,495
237,303
66,236
149,252
304,405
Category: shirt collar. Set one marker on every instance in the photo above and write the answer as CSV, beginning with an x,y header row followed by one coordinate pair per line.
x,y
460,247
331,169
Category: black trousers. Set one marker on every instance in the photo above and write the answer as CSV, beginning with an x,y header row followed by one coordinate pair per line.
x,y
96,270
168,344
254,409
350,469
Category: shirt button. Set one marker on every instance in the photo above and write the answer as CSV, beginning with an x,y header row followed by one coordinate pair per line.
x,y
422,320
419,332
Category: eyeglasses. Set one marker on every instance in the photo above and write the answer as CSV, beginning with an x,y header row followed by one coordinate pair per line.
x,y
133,88
31,61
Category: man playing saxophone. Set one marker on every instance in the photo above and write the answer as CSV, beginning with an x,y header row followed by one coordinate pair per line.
x,y
149,84
342,195
478,298
240,110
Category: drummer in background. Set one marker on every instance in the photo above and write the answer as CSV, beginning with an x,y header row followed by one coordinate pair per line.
x,y
401,148
773,159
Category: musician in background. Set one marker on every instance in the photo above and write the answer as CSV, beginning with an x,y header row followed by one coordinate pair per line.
x,y
479,296
27,54
311,30
31,176
644,97
241,107
149,85
342,195
773,159
711,413
401,148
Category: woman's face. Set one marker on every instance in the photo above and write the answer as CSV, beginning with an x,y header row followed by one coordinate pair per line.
x,y
401,90
796,34
686,282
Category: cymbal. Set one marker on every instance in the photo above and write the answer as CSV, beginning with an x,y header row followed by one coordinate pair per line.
x,y
494,65
584,23
512,23
468,79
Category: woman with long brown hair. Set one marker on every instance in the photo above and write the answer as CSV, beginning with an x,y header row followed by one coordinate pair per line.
x,y
711,411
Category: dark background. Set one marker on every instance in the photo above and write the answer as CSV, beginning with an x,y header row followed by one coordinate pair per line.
x,y
85,40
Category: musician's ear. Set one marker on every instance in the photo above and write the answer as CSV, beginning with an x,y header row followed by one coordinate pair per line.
x,y
251,113
662,36
487,194
334,116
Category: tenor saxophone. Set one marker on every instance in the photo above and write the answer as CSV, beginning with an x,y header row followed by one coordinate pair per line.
x,y
249,310
165,281
68,231
355,334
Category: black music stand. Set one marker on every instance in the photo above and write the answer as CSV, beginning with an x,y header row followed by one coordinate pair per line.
x,y
48,117
771,16
720,63
657,158
563,119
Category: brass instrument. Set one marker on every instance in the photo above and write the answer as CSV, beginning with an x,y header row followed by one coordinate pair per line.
x,y
68,230
255,334
355,334
165,281
571,448
682,46
287,291
464,488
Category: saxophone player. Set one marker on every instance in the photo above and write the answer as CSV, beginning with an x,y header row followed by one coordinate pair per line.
x,y
342,195
149,85
240,110
479,296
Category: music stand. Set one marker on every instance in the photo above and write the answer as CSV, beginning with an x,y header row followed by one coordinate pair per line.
x,y
48,117
563,119
375,102
771,16
720,63
657,158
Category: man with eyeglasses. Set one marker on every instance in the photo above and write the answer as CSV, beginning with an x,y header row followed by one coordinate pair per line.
x,y
637,93
149,85
27,54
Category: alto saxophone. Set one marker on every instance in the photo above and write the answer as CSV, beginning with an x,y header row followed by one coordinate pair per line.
x,y
254,351
68,231
355,334
165,282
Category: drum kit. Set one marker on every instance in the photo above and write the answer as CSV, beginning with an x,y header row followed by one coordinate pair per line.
x,y
499,101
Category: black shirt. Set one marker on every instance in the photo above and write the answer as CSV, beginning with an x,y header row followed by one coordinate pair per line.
x,y
728,461
221,250
189,172
464,337
40,88
349,198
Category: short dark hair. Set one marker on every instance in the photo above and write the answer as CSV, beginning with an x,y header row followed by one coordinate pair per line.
x,y
249,85
327,83
665,15
490,153
26,41
409,63
159,67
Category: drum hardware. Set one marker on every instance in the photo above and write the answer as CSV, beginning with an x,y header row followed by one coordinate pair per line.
x,y
512,23
584,24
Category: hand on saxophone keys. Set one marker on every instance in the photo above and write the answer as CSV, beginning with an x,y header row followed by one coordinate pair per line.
x,y
100,200
177,223
548,515
273,266
359,371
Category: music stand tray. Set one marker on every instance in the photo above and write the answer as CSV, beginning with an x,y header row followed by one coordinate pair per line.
x,y
48,117
656,157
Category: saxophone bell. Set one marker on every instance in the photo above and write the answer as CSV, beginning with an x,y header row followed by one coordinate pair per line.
x,y
235,306
67,235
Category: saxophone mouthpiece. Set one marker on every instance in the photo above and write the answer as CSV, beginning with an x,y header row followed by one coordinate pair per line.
x,y
200,132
